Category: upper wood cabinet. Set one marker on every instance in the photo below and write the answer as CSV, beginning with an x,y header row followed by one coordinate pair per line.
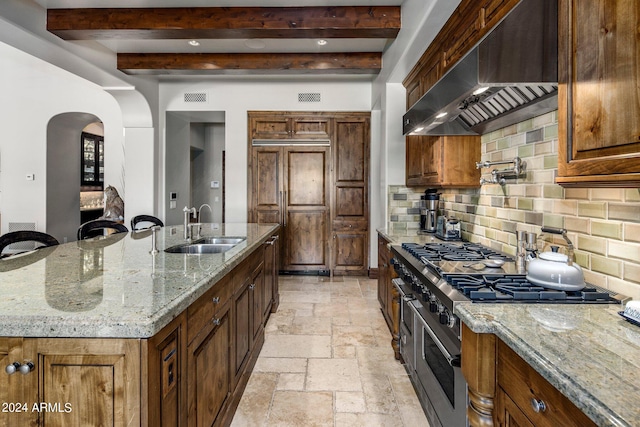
x,y
289,126
598,96
443,161
468,24
449,161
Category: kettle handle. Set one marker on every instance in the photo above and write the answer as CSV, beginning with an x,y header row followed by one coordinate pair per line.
x,y
553,230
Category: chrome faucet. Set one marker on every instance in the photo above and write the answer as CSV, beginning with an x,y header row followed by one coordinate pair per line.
x,y
188,211
199,210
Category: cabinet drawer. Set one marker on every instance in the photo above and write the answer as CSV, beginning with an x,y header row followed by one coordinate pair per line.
x,y
524,385
204,309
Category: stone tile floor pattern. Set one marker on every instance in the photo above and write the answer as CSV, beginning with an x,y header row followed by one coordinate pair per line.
x,y
327,361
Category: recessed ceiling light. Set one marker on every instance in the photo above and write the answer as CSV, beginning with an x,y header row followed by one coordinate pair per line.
x,y
194,43
255,44
441,115
322,42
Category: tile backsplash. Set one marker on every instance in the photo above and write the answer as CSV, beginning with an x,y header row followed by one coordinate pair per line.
x,y
602,223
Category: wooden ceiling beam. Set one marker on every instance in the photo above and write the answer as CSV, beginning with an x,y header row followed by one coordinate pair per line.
x,y
225,22
246,63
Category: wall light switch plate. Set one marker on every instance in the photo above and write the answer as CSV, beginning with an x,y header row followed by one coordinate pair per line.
x,y
30,177
173,196
215,184
172,204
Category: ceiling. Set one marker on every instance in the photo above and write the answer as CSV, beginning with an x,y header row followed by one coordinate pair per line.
x,y
234,36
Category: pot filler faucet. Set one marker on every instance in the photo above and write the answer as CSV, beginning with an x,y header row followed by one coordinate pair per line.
x,y
188,211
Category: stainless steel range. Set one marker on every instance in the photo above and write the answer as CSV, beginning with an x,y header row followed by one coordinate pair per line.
x,y
432,279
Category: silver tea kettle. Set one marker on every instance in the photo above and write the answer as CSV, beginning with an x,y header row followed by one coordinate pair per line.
x,y
554,270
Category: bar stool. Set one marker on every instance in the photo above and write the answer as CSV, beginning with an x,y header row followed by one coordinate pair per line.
x,y
97,226
144,219
12,237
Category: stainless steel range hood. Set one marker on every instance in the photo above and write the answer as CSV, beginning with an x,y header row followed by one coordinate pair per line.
x,y
517,67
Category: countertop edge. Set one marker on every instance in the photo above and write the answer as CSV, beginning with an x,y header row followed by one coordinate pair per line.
x,y
579,396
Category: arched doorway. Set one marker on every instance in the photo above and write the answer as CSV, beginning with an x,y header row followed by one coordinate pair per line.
x,y
63,173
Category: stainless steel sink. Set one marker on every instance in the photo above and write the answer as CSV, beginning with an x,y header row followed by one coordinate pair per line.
x,y
220,240
206,245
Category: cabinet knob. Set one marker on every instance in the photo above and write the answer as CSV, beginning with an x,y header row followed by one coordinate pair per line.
x,y
25,368
216,300
252,286
216,321
12,368
538,405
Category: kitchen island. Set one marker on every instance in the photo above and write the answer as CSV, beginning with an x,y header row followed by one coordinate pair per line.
x,y
586,352
107,332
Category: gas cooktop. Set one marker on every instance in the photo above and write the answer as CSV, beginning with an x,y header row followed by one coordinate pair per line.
x,y
469,269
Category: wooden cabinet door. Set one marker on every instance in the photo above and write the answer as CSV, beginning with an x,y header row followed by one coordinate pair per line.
x,y
270,127
382,272
413,156
350,211
350,252
257,288
209,371
165,376
306,174
310,127
242,325
508,413
598,97
18,392
267,186
94,381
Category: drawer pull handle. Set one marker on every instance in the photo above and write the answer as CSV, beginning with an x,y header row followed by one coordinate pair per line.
x,y
216,300
538,405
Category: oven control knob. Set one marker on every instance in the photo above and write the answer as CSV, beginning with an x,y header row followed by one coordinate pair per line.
x,y
445,316
433,306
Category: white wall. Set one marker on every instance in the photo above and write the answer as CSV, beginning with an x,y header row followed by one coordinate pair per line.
x,y
33,92
235,98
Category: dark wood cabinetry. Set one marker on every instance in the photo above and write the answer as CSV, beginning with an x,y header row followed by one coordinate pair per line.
x,y
291,187
277,126
208,370
193,372
350,209
449,161
443,161
495,374
388,295
598,97
316,189
79,382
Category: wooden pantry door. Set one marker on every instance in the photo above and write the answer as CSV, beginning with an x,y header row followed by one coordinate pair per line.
x,y
290,186
306,208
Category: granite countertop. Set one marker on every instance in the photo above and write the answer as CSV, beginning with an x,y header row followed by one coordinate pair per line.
x,y
588,352
113,287
402,237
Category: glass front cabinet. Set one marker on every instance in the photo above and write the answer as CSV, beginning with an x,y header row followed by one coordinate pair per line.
x,y
92,160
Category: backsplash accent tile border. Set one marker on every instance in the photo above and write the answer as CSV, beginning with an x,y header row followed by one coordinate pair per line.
x,y
603,224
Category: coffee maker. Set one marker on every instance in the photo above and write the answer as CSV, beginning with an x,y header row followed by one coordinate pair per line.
x,y
429,210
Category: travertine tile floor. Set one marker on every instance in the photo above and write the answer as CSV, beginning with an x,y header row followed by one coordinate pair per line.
x,y
327,361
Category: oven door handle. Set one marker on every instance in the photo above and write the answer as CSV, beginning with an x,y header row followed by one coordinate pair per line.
x,y
452,360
